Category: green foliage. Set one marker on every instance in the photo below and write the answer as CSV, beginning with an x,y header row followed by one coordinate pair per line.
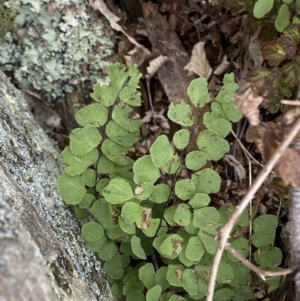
x,y
282,9
281,54
157,238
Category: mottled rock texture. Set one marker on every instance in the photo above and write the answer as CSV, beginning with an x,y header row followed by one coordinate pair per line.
x,y
42,255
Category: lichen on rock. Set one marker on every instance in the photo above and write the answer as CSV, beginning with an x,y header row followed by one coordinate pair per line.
x,y
54,45
29,167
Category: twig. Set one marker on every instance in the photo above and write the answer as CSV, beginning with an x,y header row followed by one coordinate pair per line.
x,y
224,232
262,273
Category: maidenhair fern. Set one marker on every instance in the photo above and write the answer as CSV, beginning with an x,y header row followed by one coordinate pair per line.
x,y
153,228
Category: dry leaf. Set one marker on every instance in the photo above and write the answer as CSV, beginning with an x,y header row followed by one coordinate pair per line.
x,y
223,66
287,169
113,19
144,222
198,62
240,170
155,65
248,102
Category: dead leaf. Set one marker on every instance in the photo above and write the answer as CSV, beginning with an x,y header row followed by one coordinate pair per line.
x,y
155,65
287,169
237,165
223,66
198,62
248,102
113,19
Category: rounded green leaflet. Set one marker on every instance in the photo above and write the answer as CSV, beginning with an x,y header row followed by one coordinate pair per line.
x,y
161,151
113,268
130,96
92,115
199,200
283,17
88,177
118,74
220,125
100,244
231,112
195,160
117,134
169,215
268,256
101,185
84,140
262,7
171,246
143,191
182,216
173,165
78,164
87,201
115,152
225,273
174,274
212,145
131,212
145,171
137,248
160,194
153,293
262,239
104,165
147,275
225,294
198,92
154,224
184,260
71,188
217,110
190,281
117,191
265,223
185,189
194,249
135,295
209,242
123,115
206,181
240,244
181,113
128,228
116,290
228,78
226,93
206,218
181,139
160,277
101,212
92,231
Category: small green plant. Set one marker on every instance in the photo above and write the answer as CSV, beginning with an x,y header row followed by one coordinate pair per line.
x,y
282,74
286,11
152,227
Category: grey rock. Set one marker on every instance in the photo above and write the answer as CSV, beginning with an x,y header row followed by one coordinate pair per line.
x,y
42,255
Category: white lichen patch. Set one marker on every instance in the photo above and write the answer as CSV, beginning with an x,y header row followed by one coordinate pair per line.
x,y
54,44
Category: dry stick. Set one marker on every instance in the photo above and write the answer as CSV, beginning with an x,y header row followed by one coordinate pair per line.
x,y
262,273
224,232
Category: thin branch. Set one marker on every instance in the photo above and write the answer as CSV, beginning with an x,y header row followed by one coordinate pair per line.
x,y
224,232
262,273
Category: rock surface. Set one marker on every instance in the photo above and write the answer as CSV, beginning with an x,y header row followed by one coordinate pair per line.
x,y
42,255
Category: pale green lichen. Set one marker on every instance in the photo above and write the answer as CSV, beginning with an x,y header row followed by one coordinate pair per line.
x,y
55,45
